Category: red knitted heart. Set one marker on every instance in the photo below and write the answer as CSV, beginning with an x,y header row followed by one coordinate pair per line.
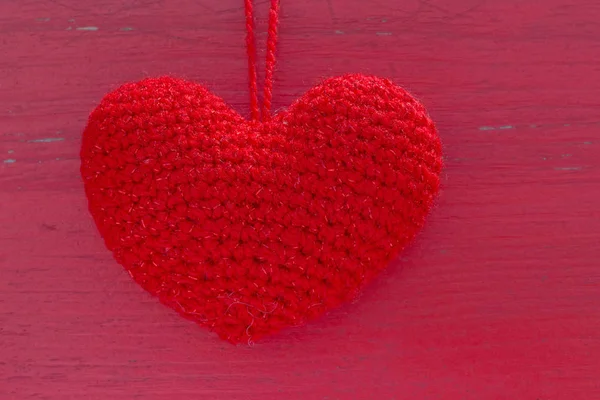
x,y
248,227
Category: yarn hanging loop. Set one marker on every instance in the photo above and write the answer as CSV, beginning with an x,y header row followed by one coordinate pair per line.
x,y
255,112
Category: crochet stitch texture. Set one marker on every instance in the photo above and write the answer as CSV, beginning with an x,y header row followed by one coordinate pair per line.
x,y
247,227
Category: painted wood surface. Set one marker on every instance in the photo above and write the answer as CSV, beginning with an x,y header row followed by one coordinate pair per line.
x,y
498,298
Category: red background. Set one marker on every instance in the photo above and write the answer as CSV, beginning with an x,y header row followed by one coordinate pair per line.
x,y
498,298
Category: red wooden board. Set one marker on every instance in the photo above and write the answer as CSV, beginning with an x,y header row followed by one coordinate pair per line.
x,y
498,298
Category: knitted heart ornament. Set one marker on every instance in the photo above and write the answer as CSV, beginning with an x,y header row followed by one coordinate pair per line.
x,y
247,227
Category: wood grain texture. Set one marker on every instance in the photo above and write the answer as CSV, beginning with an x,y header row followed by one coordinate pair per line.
x,y
498,298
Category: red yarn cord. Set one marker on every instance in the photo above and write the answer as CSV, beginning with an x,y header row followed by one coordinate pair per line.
x,y
270,64
270,60
251,49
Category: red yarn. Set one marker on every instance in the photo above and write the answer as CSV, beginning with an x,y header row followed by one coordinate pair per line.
x,y
270,68
249,227
270,61
251,51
